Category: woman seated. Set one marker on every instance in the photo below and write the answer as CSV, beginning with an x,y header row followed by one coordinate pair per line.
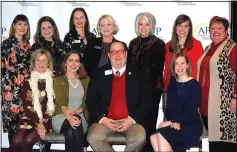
x,y
70,91
183,127
38,103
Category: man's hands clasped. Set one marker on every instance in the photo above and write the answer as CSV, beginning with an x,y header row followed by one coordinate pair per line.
x,y
117,125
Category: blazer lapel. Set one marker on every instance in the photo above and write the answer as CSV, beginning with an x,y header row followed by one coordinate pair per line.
x,y
129,85
108,85
65,87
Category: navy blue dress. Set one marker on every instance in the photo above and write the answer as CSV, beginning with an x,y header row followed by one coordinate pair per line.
x,y
183,99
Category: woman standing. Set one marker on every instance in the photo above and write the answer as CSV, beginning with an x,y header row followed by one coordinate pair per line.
x,y
182,38
47,36
148,53
79,31
15,55
217,76
70,90
183,127
38,103
96,54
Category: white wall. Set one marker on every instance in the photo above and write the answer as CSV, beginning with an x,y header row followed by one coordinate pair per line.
x,y
123,12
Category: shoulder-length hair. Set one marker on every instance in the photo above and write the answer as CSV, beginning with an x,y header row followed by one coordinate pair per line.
x,y
23,18
38,52
109,17
174,40
87,23
173,60
38,34
218,19
81,71
151,19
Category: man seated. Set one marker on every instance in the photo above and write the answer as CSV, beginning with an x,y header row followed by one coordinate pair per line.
x,y
118,98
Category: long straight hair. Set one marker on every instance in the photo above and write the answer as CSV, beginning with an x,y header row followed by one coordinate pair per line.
x,y
174,40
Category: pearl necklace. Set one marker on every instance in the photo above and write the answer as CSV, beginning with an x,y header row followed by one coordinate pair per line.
x,y
73,85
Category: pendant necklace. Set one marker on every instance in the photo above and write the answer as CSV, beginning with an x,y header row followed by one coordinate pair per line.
x,y
179,89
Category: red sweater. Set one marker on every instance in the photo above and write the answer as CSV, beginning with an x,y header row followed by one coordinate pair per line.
x,y
194,54
118,106
204,76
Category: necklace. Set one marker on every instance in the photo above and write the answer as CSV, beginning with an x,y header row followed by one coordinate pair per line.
x,y
179,47
179,89
73,85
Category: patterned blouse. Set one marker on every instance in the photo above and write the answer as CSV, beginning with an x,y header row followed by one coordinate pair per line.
x,y
15,67
74,41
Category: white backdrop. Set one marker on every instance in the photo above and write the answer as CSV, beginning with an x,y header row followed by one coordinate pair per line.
x,y
123,12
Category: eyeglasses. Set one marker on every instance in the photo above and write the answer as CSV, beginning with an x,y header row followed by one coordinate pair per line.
x,y
115,52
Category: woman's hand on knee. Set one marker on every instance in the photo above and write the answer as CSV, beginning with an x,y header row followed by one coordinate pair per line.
x,y
41,130
165,124
175,126
74,121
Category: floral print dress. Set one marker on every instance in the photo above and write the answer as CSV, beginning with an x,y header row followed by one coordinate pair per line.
x,y
15,67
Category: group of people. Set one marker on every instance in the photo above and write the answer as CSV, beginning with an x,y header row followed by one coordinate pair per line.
x,y
90,88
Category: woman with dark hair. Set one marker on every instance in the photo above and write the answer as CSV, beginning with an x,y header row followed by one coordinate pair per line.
x,y
182,38
183,127
47,36
38,99
15,55
79,31
70,91
147,52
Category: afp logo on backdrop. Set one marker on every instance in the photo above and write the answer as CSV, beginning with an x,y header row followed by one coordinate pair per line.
x,y
201,31
157,33
4,29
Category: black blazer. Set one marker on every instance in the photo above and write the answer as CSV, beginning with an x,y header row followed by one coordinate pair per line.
x,y
92,55
138,93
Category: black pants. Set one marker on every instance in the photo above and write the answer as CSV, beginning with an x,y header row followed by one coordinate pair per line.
x,y
74,138
151,119
10,136
218,146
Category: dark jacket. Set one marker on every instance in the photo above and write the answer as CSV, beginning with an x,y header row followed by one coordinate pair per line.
x,y
74,41
138,93
57,52
92,54
148,54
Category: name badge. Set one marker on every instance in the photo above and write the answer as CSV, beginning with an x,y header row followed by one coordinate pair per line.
x,y
97,47
108,72
77,41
